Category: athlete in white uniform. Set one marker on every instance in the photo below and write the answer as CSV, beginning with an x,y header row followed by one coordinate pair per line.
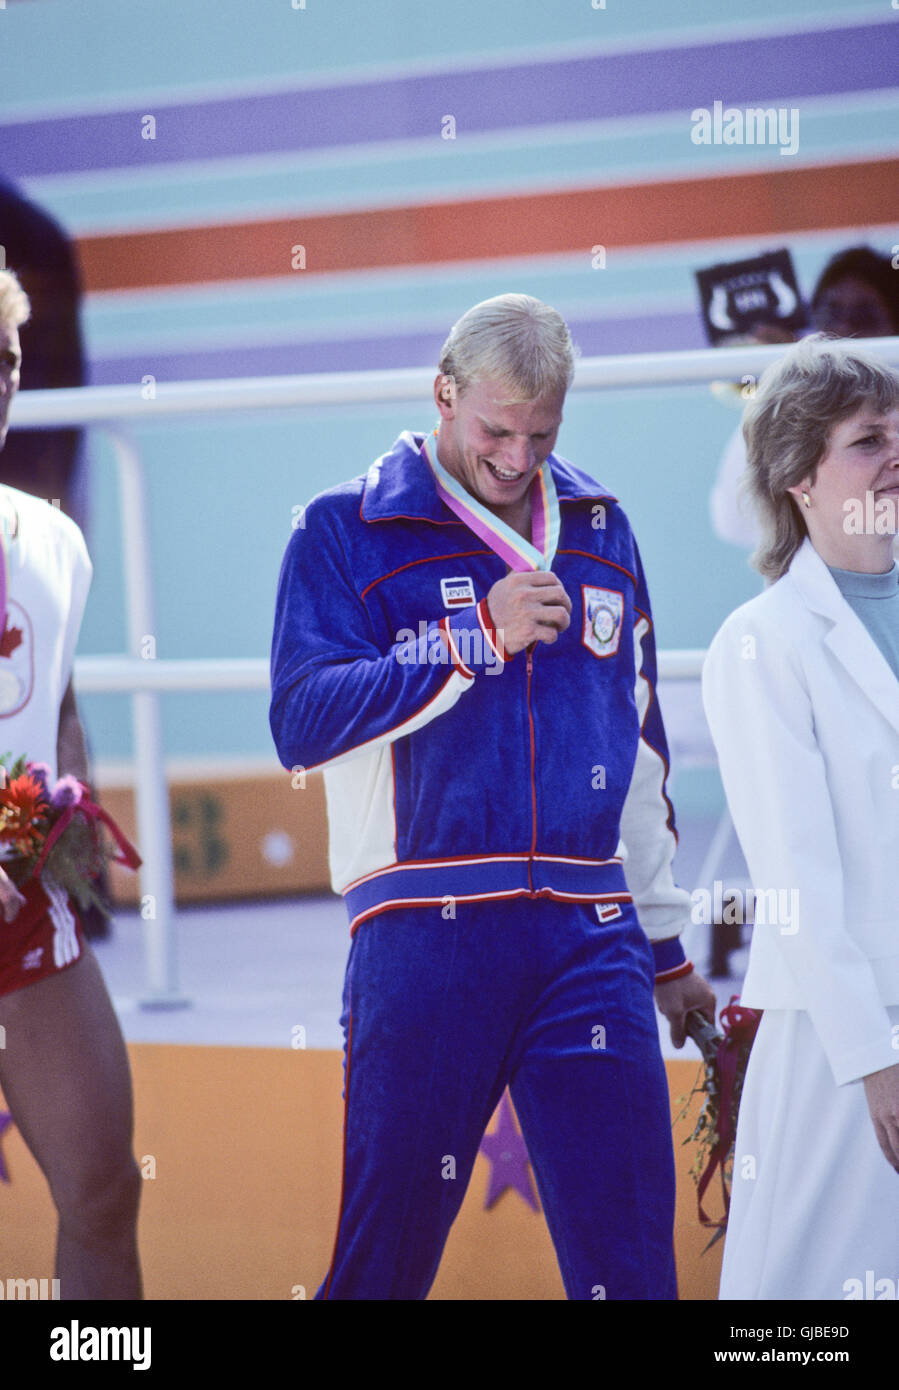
x,y
64,1069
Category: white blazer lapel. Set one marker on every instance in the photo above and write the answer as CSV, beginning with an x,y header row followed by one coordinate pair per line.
x,y
848,639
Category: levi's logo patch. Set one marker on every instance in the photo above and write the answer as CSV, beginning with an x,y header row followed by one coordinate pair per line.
x,y
458,592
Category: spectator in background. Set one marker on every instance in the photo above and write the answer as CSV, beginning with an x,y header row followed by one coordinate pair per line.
x,y
856,296
46,463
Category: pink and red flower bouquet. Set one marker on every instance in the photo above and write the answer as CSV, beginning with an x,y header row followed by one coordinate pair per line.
x,y
57,828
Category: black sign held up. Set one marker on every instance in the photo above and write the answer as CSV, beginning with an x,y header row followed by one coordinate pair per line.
x,y
739,295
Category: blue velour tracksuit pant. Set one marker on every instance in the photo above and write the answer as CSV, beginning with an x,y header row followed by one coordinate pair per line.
x,y
439,1017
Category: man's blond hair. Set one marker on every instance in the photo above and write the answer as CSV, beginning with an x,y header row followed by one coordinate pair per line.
x,y
15,306
514,340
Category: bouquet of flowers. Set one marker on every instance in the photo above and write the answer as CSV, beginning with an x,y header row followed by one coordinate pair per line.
x,y
725,1057
56,829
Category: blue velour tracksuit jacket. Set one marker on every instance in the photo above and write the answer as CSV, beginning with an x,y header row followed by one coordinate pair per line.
x,y
451,771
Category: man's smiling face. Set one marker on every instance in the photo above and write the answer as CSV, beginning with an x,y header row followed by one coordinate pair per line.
x,y
496,449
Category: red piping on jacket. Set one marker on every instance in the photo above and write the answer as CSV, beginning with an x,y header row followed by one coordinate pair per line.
x,y
346,1106
533,760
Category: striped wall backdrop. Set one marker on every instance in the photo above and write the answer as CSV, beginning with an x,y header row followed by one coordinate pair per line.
x,y
299,185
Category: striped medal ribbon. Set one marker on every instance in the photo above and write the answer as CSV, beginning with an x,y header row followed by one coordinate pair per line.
x,y
518,553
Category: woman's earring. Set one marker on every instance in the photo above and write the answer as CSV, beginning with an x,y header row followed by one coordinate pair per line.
x,y
806,499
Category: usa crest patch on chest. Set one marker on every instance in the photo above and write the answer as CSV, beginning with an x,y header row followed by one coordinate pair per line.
x,y
603,616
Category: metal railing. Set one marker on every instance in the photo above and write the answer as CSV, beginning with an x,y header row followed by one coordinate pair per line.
x,y
144,680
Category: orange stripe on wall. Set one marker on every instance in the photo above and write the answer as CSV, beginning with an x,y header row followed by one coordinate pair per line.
x,y
762,204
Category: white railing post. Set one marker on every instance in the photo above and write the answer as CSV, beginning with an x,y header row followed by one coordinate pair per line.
x,y
151,796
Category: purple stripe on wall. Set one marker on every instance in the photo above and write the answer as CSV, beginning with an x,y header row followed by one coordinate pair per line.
x,y
738,72
657,333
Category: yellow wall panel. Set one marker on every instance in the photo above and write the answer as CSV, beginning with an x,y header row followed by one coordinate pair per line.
x,y
246,1144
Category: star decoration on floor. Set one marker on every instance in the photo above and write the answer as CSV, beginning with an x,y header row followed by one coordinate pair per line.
x,y
5,1122
505,1150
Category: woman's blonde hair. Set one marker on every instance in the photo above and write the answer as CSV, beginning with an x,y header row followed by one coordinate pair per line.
x,y
787,424
513,339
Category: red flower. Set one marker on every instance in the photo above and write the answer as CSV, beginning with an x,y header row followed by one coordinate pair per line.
x,y
23,807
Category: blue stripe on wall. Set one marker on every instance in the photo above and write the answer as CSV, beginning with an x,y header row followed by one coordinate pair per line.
x,y
647,333
786,68
226,190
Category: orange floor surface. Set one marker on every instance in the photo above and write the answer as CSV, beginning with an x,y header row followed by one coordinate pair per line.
x,y
241,1151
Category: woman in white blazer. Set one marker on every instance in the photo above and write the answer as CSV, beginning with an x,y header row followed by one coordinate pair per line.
x,y
801,692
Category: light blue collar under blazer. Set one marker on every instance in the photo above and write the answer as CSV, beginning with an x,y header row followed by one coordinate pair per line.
x,y
848,638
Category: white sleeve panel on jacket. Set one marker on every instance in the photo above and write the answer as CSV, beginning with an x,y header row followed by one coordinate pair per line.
x,y
361,816
650,843
762,722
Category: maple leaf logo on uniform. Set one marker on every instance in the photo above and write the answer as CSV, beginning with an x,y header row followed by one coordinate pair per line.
x,y
16,661
11,639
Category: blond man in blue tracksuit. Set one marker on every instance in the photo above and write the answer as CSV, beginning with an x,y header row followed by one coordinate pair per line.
x,y
463,642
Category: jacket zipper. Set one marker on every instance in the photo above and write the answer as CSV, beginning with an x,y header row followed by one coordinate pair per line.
x,y
530,669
